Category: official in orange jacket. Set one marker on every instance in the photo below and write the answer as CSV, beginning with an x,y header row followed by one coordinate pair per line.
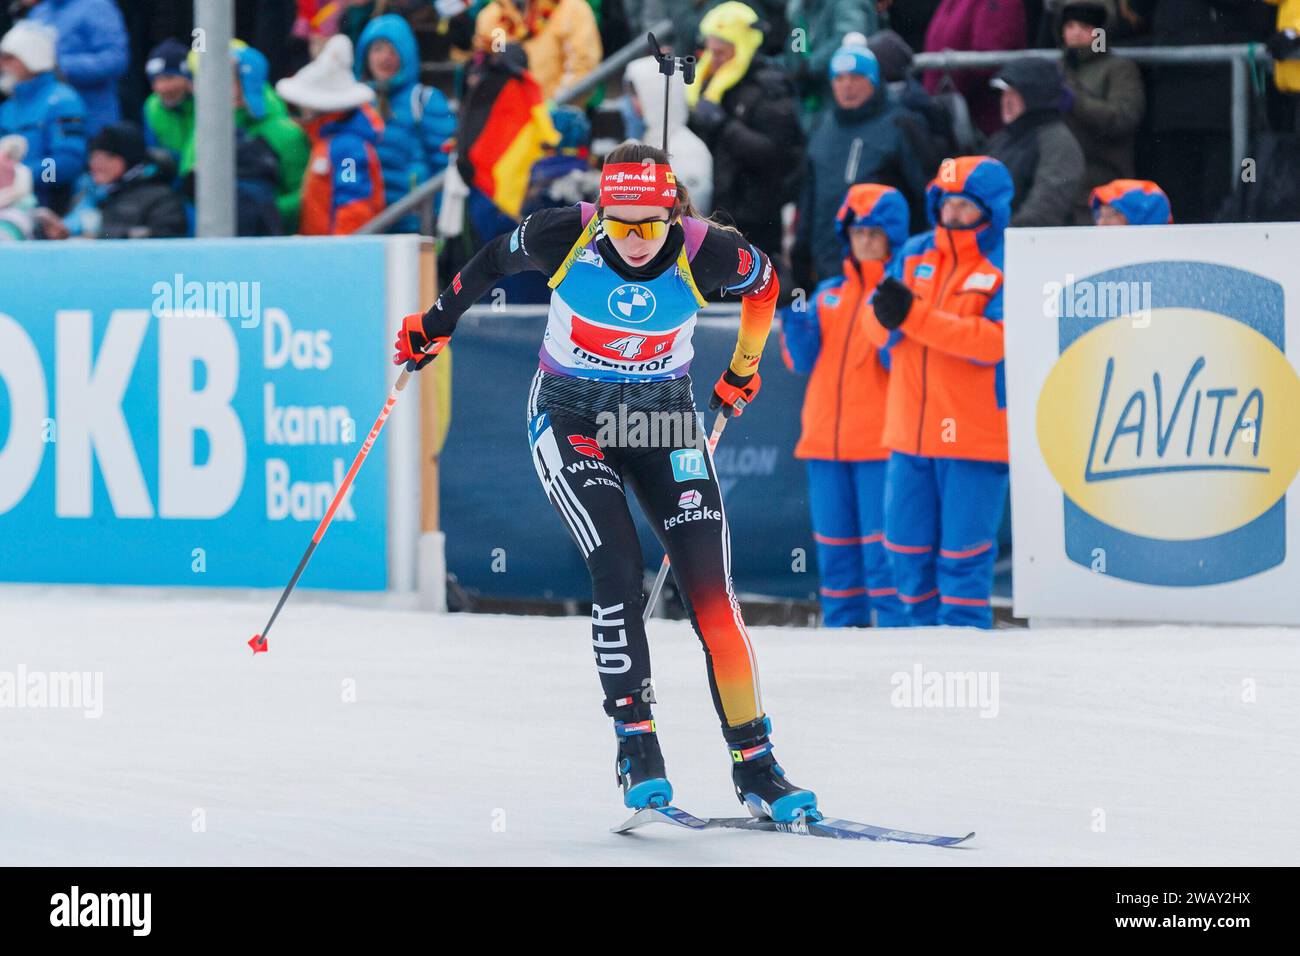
x,y
938,314
1130,202
844,413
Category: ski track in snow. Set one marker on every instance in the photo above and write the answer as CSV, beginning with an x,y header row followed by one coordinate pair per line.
x,y
480,740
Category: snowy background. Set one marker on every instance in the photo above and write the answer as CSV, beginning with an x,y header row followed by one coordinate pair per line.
x,y
480,740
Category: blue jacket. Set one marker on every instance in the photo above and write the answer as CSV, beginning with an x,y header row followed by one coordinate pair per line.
x,y
417,119
865,145
92,52
51,117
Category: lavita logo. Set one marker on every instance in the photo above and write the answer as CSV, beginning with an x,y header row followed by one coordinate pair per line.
x,y
1171,439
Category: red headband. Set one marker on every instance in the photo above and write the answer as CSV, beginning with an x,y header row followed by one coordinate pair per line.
x,y
638,184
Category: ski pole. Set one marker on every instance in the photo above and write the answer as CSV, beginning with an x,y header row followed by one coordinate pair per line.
x,y
718,425
258,642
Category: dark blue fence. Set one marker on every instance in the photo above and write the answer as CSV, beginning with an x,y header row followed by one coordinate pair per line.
x,y
491,498
504,541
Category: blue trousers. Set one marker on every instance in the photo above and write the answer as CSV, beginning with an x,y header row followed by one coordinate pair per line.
x,y
848,501
941,534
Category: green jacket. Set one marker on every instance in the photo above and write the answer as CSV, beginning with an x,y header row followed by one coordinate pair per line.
x,y
173,129
289,140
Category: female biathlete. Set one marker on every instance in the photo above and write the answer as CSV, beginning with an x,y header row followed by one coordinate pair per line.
x,y
627,279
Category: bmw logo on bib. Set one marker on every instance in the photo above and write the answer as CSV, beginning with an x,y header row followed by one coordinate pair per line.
x,y
632,303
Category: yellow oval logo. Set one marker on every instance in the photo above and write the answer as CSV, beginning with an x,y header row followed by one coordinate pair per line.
x,y
1177,430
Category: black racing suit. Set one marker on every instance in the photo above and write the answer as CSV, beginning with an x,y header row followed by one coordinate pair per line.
x,y
586,466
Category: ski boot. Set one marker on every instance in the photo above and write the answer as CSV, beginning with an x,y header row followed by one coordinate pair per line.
x,y
760,782
639,764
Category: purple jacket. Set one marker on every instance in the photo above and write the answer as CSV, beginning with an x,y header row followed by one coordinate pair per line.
x,y
975,25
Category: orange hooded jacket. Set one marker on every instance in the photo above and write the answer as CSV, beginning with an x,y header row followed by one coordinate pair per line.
x,y
844,405
947,387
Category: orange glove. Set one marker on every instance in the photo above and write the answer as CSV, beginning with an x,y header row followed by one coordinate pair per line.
x,y
413,348
733,392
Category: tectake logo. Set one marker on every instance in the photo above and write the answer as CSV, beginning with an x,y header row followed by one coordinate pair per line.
x,y
700,514
631,302
1169,437
689,500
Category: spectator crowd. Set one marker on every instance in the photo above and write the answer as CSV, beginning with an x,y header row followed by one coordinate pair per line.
x,y
807,127
342,107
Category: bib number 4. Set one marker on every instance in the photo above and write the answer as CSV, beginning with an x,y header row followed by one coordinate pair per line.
x,y
629,346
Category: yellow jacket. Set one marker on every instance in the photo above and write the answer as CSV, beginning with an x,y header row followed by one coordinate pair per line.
x,y
562,47
1286,73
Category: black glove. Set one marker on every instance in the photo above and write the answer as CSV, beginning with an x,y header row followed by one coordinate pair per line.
x,y
891,302
707,118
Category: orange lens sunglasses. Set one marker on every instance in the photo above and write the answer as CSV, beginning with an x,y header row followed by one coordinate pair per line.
x,y
649,229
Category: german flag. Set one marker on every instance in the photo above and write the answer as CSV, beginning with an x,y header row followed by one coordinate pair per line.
x,y
504,123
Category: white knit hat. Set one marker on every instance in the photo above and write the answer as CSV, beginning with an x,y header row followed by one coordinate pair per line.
x,y
326,84
32,43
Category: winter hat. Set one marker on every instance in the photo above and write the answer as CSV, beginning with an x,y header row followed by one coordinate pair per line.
x,y
573,126
33,44
123,139
1142,202
253,71
983,180
15,178
876,206
738,25
169,58
1038,80
251,68
327,84
1093,14
892,53
854,56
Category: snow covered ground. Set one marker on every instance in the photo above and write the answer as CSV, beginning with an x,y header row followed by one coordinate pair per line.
x,y
371,736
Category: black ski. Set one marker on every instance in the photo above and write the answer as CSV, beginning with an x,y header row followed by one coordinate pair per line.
x,y
834,829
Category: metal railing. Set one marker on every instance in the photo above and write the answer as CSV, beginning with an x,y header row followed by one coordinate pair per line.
x,y
1236,55
422,195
